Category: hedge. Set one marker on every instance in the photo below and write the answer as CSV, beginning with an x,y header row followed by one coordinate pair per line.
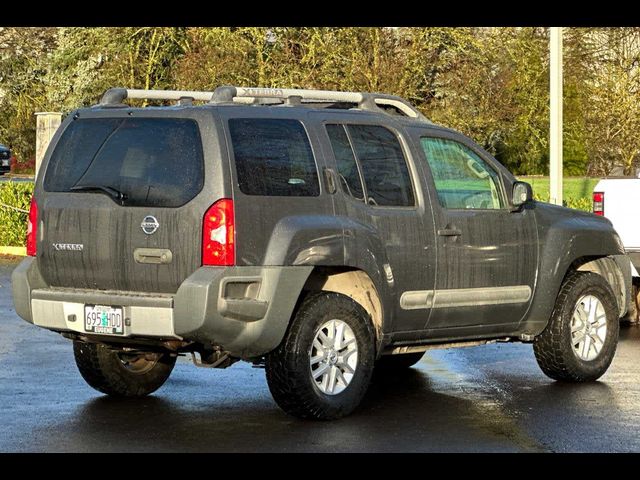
x,y
582,203
13,223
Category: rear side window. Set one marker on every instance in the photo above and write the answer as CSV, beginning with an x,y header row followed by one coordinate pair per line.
x,y
273,158
346,161
384,167
155,162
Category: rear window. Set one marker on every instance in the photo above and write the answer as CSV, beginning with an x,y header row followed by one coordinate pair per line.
x,y
273,158
154,162
384,167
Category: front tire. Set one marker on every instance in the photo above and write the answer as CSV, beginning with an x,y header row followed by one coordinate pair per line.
x,y
323,367
119,374
580,341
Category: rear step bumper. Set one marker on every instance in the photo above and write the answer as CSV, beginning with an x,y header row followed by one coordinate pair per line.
x,y
245,310
63,310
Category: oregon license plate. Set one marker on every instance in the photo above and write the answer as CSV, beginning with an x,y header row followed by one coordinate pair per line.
x,y
103,319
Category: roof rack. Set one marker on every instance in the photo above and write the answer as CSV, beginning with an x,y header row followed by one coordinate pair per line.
x,y
115,96
292,96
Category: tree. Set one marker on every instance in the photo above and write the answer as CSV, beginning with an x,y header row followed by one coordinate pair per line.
x,y
496,91
88,61
575,156
24,56
610,62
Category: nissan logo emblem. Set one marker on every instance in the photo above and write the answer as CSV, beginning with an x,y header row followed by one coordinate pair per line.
x,y
149,224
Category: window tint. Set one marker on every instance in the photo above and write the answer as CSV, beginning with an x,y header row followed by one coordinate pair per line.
x,y
347,167
273,157
462,179
384,167
153,161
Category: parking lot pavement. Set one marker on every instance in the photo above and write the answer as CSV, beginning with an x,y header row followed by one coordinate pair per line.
x,y
5,178
492,398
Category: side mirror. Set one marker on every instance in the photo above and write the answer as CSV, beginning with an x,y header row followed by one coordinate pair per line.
x,y
521,194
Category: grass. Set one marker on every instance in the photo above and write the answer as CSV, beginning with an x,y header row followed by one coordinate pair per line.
x,y
573,187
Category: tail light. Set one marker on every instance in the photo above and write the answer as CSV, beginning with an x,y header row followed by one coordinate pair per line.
x,y
218,232
32,229
598,203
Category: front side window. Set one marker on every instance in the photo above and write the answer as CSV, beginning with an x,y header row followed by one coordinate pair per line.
x,y
273,158
384,166
462,179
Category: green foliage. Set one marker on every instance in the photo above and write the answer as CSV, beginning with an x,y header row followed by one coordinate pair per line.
x,y
603,81
13,224
576,191
572,187
24,55
584,204
88,61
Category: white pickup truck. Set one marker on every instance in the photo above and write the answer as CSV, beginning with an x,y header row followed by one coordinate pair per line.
x,y
618,199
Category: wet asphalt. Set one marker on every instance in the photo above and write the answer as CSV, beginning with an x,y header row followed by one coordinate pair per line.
x,y
481,399
5,178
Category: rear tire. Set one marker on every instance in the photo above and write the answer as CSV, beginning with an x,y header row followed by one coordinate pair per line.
x,y
310,375
398,362
121,375
569,349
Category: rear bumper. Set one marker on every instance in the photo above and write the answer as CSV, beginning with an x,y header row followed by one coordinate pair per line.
x,y
245,310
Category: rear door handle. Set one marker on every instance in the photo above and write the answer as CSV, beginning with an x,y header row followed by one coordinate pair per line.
x,y
330,180
449,232
153,255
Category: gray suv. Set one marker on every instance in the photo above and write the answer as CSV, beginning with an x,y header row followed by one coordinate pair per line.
x,y
319,234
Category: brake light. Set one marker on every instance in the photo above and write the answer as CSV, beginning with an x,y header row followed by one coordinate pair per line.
x,y
598,203
32,229
218,234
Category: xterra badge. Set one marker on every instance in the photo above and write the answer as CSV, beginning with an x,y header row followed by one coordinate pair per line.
x,y
68,247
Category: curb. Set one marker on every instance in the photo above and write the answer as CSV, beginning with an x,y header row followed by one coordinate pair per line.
x,y
16,251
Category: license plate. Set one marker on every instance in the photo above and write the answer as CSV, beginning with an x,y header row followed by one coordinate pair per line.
x,y
103,319
5,163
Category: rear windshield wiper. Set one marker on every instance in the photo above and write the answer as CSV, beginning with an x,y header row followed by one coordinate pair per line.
x,y
117,195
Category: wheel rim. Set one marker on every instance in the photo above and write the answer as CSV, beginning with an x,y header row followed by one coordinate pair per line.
x,y
588,328
333,357
138,364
